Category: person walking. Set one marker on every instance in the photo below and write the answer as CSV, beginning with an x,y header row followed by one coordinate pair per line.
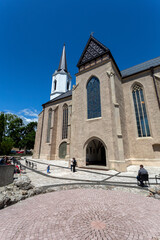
x,y
48,169
71,164
74,164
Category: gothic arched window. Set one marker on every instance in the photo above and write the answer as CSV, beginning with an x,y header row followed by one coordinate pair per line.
x,y
93,98
49,125
62,150
65,122
55,84
140,111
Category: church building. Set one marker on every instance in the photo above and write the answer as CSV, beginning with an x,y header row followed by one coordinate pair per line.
x,y
110,118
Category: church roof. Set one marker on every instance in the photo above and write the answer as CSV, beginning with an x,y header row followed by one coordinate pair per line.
x,y
63,95
63,61
141,67
93,50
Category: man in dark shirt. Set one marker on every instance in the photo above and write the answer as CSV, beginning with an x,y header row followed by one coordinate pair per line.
x,y
142,173
74,164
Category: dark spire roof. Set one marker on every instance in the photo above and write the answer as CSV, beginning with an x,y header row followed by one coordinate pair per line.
x,y
63,62
93,49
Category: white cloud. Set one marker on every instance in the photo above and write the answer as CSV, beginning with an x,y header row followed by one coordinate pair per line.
x,y
28,120
27,115
8,112
28,112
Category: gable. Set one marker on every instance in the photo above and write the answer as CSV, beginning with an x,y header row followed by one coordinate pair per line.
x,y
93,50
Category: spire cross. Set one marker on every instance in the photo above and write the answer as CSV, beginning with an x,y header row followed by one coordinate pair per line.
x,y
92,34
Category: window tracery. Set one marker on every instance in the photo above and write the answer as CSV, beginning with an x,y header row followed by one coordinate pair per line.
x,y
140,111
93,98
49,125
65,122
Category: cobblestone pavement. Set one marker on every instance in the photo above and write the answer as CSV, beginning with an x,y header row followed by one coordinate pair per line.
x,y
90,174
81,214
63,174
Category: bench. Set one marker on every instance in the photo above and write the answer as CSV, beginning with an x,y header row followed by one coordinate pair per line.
x,y
143,178
157,177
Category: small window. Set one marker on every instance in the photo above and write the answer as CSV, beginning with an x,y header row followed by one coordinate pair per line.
x,y
67,85
55,84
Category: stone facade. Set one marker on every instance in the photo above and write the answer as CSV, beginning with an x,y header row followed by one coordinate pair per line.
x,y
50,150
141,149
110,140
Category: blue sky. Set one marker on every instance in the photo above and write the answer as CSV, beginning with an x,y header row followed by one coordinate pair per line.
x,y
33,33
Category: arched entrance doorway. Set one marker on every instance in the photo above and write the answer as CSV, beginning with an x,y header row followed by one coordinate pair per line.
x,y
62,150
95,153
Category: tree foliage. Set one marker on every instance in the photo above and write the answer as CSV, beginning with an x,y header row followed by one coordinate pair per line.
x,y
14,133
2,126
14,128
6,145
29,136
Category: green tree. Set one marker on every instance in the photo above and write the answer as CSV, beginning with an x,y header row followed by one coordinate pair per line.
x,y
13,132
29,132
15,128
6,145
2,126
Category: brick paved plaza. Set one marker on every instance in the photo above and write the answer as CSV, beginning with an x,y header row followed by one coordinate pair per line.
x,y
82,214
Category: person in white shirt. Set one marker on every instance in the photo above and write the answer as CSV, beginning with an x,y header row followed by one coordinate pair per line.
x,y
71,164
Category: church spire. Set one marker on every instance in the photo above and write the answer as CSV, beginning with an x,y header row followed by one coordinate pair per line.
x,y
61,79
63,62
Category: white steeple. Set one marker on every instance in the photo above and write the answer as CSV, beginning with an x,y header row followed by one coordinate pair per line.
x,y
61,79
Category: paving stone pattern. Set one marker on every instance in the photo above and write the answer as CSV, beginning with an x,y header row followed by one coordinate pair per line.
x,y
64,175
82,214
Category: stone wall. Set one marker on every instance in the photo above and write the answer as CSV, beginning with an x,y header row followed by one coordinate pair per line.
x,y
38,137
103,128
141,149
6,174
50,150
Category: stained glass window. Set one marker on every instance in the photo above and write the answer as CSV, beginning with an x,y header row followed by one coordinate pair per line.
x,y
93,98
140,111
65,122
49,125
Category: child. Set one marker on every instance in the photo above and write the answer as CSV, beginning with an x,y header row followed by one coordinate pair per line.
x,y
48,169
